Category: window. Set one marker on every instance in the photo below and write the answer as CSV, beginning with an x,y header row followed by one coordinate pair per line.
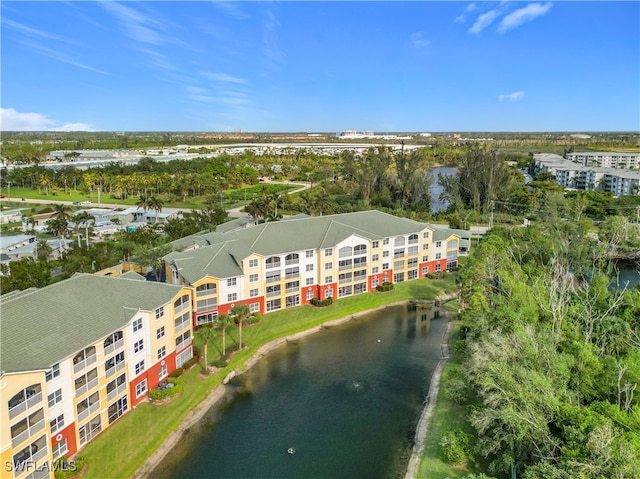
x,y
438,267
375,257
309,253
425,246
232,297
55,397
231,282
253,293
385,241
375,244
308,281
159,332
159,312
345,252
328,252
375,270
398,253
385,266
399,241
59,449
206,289
162,372
162,352
137,325
374,283
309,267
253,278
117,409
309,295
139,367
413,239
274,304
452,244
141,388
254,307
56,423
328,293
328,279
138,346
425,235
181,303
54,372
293,258
385,254
438,255
425,270
360,249
413,274
328,265
425,258
253,263
273,262
438,244
398,277
413,262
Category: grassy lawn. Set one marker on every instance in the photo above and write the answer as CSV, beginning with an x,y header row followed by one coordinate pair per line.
x,y
125,446
446,417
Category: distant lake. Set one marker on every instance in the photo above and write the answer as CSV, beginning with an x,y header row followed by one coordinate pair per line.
x,y
347,399
436,189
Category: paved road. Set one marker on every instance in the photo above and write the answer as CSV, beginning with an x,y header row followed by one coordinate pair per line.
x,y
238,213
86,204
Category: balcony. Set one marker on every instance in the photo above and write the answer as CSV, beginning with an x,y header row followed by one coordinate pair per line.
x,y
29,464
88,411
79,366
114,393
292,275
183,344
113,347
86,387
114,369
271,294
181,307
25,405
27,433
272,279
294,289
182,324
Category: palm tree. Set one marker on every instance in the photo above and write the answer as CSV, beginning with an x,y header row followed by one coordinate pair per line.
x,y
43,250
143,202
83,218
240,312
205,334
224,321
155,203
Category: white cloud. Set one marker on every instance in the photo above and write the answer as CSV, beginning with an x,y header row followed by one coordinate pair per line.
x,y
483,21
225,77
12,120
511,96
524,15
419,41
139,26
463,17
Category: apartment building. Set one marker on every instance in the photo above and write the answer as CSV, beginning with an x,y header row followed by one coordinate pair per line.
x,y
606,159
280,265
568,174
77,355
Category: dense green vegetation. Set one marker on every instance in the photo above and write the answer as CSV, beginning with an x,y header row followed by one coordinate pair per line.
x,y
550,362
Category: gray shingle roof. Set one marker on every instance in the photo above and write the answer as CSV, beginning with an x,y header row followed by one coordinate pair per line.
x,y
43,326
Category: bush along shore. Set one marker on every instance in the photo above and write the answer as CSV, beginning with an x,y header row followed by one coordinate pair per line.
x,y
121,451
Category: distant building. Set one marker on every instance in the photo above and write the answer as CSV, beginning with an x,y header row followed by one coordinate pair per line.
x,y
606,159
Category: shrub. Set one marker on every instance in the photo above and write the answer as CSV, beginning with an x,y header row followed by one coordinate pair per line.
x,y
384,287
220,363
455,446
177,373
66,468
191,362
159,394
321,303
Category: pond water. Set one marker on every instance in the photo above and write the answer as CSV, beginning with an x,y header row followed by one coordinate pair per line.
x,y
436,204
346,401
628,275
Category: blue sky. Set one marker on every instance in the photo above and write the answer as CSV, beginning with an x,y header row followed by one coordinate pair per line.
x,y
321,66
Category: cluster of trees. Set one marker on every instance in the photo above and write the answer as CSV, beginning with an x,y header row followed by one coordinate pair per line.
x,y
552,354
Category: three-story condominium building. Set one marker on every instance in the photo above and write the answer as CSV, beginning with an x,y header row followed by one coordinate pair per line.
x,y
77,355
278,265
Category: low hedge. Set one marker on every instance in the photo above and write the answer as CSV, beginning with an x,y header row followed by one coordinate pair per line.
x,y
320,303
384,287
160,394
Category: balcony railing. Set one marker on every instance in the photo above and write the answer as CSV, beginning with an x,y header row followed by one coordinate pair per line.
x,y
182,307
184,344
272,279
292,261
90,410
293,289
114,369
84,363
113,346
271,294
292,275
26,434
86,387
24,405
181,325
117,391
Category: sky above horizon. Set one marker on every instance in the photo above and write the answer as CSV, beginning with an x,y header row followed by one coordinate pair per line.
x,y
320,66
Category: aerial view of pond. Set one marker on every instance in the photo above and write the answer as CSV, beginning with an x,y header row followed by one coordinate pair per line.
x,y
342,403
436,204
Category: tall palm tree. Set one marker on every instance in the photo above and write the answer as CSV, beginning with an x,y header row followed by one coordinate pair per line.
x,y
143,202
205,334
241,312
83,218
224,321
155,204
43,250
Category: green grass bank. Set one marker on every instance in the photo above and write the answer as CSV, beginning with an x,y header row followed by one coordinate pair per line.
x,y
124,447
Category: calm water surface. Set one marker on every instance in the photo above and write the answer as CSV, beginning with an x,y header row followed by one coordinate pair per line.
x,y
347,399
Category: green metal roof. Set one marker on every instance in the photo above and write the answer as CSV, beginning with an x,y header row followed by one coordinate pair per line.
x,y
43,326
